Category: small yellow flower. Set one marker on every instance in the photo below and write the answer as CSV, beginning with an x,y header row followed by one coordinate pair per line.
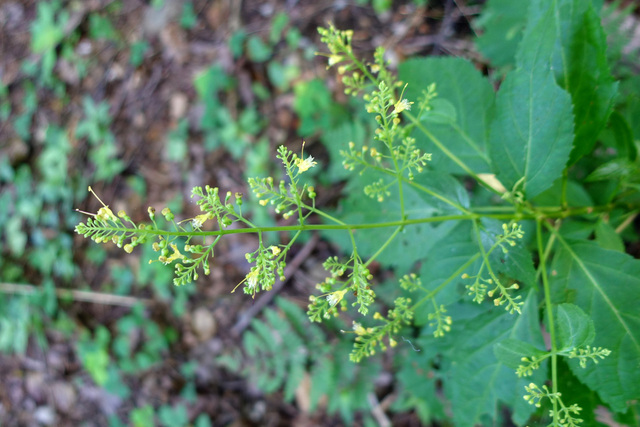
x,y
252,278
197,222
105,214
335,297
275,250
174,256
305,165
334,59
359,329
402,105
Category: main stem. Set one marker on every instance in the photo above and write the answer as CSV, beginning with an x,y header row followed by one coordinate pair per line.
x,y
549,308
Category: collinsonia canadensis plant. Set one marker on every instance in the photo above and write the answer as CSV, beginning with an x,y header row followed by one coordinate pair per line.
x,y
511,284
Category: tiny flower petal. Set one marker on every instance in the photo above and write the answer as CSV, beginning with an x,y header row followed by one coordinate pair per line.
x,y
402,105
252,278
335,297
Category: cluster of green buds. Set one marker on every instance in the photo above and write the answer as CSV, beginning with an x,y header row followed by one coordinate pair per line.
x,y
588,353
439,321
528,365
269,263
104,227
212,207
287,198
479,289
410,282
509,236
341,54
334,288
369,338
566,415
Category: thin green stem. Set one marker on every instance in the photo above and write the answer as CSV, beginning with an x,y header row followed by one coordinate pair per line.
x,y
340,225
448,280
549,309
383,247
547,249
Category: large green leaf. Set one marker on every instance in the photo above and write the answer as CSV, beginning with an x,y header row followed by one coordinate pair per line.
x,y
464,118
606,285
476,382
579,60
532,133
501,24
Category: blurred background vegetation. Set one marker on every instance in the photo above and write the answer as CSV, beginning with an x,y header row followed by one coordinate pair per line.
x,y
143,100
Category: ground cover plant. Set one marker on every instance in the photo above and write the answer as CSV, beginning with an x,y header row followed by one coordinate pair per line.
x,y
512,285
466,223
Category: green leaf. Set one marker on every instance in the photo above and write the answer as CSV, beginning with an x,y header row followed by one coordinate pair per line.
x,y
419,391
575,328
48,28
142,417
616,169
607,237
188,17
574,194
503,22
465,99
278,24
16,238
322,380
173,416
236,43
606,285
619,136
137,51
442,112
580,61
511,351
532,132
101,27
477,383
257,49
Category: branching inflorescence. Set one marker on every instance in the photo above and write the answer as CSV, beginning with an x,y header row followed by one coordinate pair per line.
x,y
395,156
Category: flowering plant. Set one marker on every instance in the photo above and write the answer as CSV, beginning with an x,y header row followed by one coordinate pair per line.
x,y
496,239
